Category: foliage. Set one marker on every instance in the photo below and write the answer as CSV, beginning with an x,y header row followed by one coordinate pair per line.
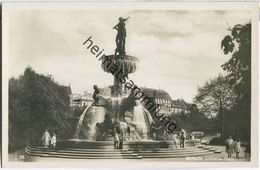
x,y
239,65
36,103
238,68
195,120
217,141
215,98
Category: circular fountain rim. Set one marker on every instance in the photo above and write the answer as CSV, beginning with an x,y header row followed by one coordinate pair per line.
x,y
124,57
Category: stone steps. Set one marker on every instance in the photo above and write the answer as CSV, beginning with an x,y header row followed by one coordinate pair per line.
x,y
90,151
42,152
83,154
143,154
73,153
79,151
176,156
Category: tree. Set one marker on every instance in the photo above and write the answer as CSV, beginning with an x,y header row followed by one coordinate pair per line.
x,y
215,98
36,103
238,67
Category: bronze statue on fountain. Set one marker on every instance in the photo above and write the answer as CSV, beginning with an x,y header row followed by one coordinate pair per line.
x,y
120,37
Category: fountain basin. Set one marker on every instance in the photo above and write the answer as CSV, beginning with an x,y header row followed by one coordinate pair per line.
x,y
127,63
86,144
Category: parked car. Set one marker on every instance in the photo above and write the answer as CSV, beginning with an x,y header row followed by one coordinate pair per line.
x,y
197,134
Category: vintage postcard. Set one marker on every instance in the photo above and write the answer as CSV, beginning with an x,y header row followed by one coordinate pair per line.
x,y
136,84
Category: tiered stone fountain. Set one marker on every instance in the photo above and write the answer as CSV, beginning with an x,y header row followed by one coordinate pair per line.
x,y
97,123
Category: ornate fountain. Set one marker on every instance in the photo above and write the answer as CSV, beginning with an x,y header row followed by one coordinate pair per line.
x,y
119,112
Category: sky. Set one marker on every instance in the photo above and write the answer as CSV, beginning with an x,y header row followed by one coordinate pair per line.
x,y
177,50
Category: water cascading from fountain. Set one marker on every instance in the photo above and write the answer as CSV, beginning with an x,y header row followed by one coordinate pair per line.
x,y
97,116
142,120
113,106
79,126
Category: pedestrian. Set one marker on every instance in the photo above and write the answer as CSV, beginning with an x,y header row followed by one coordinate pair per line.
x,y
237,148
183,138
46,139
247,151
53,141
121,138
165,135
154,130
229,146
193,139
180,139
116,141
119,131
128,132
175,140
201,135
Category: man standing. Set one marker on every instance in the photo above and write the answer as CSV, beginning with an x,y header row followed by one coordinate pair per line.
x,y
183,137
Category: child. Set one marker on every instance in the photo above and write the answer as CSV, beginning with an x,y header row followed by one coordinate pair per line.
x,y
53,141
116,141
175,140
237,148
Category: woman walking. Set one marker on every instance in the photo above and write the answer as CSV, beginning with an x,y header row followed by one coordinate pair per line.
x,y
46,139
229,146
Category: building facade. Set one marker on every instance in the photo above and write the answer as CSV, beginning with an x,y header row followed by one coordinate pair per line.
x,y
158,96
179,106
161,98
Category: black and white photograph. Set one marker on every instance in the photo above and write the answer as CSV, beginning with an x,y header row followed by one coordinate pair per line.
x,y
130,83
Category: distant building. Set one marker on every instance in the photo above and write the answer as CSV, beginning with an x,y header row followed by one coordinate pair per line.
x,y
179,106
75,100
78,100
160,97
86,99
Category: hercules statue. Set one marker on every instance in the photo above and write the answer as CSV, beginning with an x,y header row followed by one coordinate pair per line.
x,y
120,37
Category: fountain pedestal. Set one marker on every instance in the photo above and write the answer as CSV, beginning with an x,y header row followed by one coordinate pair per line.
x,y
119,66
